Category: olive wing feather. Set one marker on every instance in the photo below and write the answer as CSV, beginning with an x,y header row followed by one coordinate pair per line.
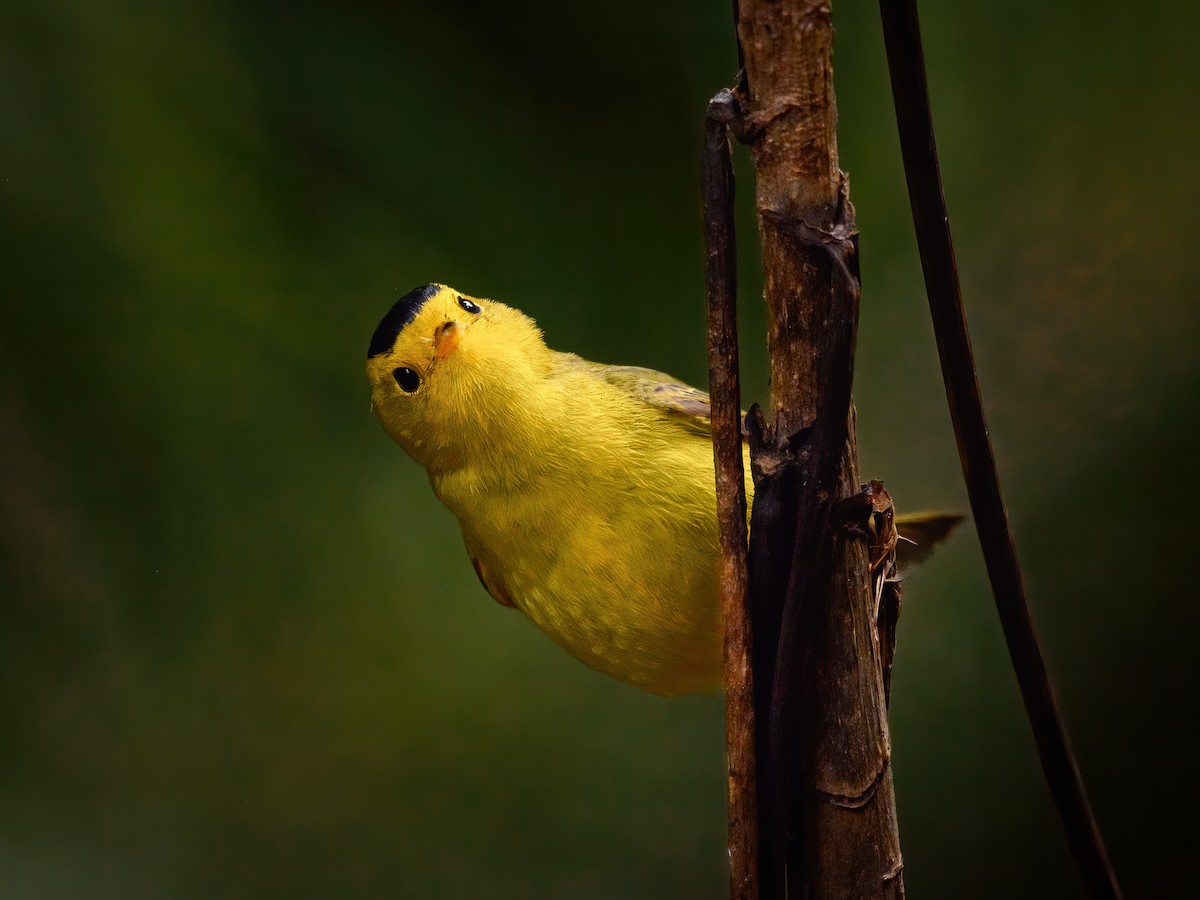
x,y
689,407
920,533
683,404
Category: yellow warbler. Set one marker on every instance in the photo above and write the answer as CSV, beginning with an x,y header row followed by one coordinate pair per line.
x,y
585,492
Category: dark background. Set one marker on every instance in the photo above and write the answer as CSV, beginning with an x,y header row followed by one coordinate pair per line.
x,y
241,650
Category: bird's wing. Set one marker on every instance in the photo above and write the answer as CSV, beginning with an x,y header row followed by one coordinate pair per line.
x,y
920,532
688,407
681,403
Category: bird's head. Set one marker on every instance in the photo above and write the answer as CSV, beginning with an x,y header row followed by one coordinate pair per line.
x,y
447,371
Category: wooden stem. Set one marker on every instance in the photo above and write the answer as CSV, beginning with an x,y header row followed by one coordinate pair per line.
x,y
829,824
915,121
717,185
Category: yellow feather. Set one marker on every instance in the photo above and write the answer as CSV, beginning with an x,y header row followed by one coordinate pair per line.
x,y
585,492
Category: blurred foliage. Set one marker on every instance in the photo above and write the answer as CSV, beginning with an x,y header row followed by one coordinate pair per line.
x,y
242,650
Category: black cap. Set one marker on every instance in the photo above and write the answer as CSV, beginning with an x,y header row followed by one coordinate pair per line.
x,y
402,312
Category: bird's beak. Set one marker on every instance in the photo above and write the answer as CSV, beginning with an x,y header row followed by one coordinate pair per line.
x,y
446,338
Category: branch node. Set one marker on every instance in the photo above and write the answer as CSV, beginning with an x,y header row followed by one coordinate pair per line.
x,y
861,799
894,872
725,108
750,126
839,242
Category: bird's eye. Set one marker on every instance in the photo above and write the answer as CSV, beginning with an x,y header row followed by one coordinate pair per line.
x,y
468,305
408,380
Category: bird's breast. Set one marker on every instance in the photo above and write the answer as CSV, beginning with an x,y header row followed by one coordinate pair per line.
x,y
618,567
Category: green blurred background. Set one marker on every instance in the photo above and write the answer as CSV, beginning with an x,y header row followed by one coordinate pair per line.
x,y
242,653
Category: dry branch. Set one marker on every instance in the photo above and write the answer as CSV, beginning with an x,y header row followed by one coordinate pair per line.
x,y
902,37
825,780
721,289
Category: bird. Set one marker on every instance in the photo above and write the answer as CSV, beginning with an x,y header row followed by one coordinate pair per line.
x,y
585,492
